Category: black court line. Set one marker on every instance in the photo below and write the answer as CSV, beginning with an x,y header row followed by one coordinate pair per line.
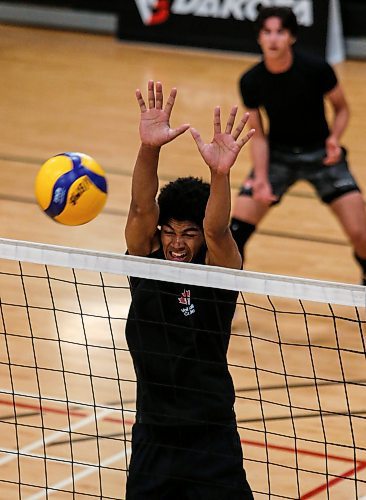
x,y
117,402
313,239
31,201
18,416
39,161
263,232
89,438
301,385
125,173
315,414
128,173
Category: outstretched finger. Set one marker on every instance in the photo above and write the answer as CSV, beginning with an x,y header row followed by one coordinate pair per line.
x,y
217,120
231,120
197,137
151,94
246,138
159,95
140,100
170,102
241,126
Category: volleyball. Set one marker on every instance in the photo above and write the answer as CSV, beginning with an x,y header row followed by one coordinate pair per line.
x,y
71,188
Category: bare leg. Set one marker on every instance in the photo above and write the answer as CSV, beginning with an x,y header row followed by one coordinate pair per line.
x,y
249,210
350,211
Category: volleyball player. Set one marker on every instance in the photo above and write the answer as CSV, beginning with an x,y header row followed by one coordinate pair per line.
x,y
185,443
291,88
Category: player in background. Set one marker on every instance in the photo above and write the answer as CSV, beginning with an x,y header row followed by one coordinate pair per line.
x,y
185,443
291,87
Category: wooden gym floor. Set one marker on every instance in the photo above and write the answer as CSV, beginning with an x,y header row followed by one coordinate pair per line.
x,y
63,91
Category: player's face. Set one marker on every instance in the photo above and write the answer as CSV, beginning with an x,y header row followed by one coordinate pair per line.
x,y
274,40
181,240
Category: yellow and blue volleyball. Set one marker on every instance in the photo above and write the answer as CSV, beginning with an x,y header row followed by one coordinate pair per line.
x,y
71,188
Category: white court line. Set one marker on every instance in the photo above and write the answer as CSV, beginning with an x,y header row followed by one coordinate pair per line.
x,y
74,403
53,437
79,475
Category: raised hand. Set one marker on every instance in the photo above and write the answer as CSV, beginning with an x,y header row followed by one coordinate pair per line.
x,y
154,123
220,155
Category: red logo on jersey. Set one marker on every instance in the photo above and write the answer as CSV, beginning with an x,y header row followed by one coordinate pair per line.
x,y
153,11
185,298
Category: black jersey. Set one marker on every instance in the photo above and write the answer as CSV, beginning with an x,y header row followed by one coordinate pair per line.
x,y
178,336
293,100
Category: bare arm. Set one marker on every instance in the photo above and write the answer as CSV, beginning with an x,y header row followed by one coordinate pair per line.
x,y
220,155
143,214
340,107
155,131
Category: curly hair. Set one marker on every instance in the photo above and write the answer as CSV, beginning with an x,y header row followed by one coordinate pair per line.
x,y
288,18
184,199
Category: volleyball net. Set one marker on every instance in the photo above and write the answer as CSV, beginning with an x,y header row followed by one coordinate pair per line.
x,y
297,357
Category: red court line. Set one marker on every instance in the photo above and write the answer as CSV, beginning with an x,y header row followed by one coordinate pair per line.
x,y
351,472
335,480
301,452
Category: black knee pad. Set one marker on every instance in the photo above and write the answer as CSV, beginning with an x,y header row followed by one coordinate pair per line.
x,y
361,261
241,232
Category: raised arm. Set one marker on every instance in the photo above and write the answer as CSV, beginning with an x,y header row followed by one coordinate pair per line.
x,y
220,155
155,131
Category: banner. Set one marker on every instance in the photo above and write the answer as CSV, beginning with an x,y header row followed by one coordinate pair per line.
x,y
218,24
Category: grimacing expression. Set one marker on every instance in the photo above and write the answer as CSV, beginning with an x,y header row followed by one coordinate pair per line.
x,y
274,40
181,240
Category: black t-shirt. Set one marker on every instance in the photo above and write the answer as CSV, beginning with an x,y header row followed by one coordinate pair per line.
x,y
178,336
293,100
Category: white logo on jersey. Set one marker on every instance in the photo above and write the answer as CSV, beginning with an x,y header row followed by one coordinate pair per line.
x,y
185,299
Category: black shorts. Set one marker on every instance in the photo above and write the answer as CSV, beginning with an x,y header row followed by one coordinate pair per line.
x,y
186,463
329,181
